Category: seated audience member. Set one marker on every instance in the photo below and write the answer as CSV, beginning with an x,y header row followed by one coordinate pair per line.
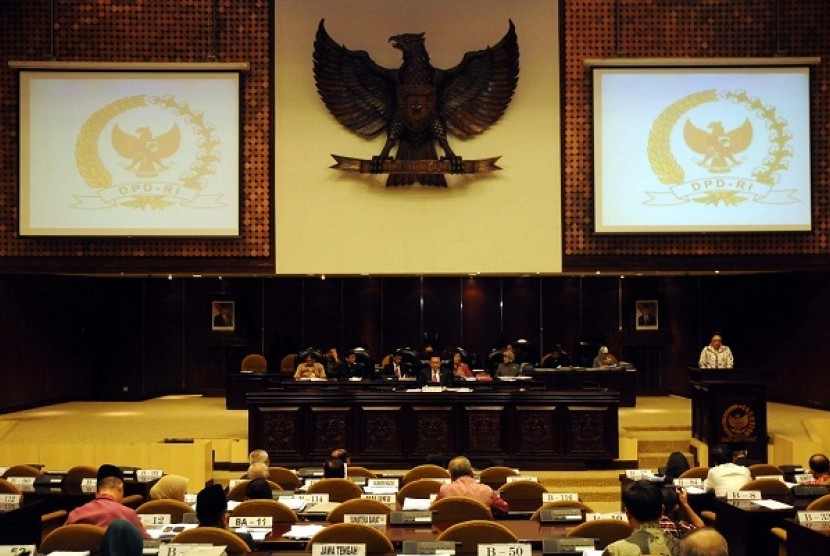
x,y
122,539
212,508
508,354
434,374
676,465
172,487
604,358
675,501
643,505
557,358
459,368
341,453
397,367
107,506
725,476
258,471
716,355
259,456
334,468
464,484
820,469
258,489
309,368
704,542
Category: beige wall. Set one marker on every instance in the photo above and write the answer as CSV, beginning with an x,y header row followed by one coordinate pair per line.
x,y
342,223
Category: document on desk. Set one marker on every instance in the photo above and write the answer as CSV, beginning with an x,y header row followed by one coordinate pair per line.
x,y
303,531
772,504
416,504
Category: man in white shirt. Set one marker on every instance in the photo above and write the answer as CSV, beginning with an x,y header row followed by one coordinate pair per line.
x,y
716,355
725,476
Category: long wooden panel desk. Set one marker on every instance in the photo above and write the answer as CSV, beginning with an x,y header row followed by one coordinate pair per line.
x,y
809,538
746,526
238,385
21,525
526,530
528,429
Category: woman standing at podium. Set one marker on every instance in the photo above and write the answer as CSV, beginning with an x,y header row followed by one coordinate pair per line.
x,y
716,355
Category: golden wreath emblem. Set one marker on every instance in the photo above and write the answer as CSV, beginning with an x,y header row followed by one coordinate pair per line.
x,y
738,423
716,154
143,157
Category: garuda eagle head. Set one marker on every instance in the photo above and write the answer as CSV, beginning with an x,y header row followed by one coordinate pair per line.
x,y
407,41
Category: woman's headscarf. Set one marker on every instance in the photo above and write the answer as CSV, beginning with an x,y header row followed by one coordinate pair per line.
x,y
170,487
122,539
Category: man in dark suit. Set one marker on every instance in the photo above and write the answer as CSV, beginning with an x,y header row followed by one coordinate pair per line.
x,y
434,375
350,367
397,368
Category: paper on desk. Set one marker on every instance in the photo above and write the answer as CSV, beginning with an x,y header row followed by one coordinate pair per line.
x,y
415,504
380,490
70,552
295,504
303,531
772,504
232,504
694,490
256,534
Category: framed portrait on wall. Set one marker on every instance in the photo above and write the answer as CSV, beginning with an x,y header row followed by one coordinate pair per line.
x,y
645,314
223,316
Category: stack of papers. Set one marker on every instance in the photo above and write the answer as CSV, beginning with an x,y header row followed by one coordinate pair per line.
x,y
416,504
772,504
303,531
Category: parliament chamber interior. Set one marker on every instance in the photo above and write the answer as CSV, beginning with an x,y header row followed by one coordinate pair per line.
x,y
170,206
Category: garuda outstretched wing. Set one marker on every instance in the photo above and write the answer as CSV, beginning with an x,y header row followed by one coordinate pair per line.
x,y
357,91
475,93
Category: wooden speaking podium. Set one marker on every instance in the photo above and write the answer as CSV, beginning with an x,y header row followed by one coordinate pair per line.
x,y
729,406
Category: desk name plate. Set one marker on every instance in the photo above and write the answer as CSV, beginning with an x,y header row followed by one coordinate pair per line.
x,y
147,475
89,481
814,516
514,478
10,499
637,474
744,495
21,481
559,497
17,550
148,520
619,516
382,483
337,549
373,520
688,483
384,498
313,498
258,522
505,549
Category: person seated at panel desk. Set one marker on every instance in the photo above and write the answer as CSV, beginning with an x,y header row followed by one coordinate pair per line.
x,y
508,367
397,367
716,355
434,375
309,368
604,358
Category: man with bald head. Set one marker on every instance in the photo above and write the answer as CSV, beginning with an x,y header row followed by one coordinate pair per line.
x,y
464,484
704,542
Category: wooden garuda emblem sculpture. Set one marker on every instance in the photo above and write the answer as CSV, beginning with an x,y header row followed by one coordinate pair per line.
x,y
416,104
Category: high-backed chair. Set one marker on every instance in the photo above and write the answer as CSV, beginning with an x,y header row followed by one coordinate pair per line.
x,y
764,469
284,477
265,508
80,472
605,531
288,364
237,493
820,504
422,488
51,521
78,537
768,487
354,533
339,490
531,491
496,476
561,504
133,501
174,508
454,509
357,471
695,473
22,471
357,506
425,471
254,363
472,533
7,488
214,536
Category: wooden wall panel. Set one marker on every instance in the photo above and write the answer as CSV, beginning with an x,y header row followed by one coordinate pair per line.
x,y
442,312
481,323
402,325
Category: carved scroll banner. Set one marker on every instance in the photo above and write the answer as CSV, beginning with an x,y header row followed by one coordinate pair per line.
x,y
349,164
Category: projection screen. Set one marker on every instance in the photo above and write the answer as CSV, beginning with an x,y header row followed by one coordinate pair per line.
x,y
135,153
701,149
